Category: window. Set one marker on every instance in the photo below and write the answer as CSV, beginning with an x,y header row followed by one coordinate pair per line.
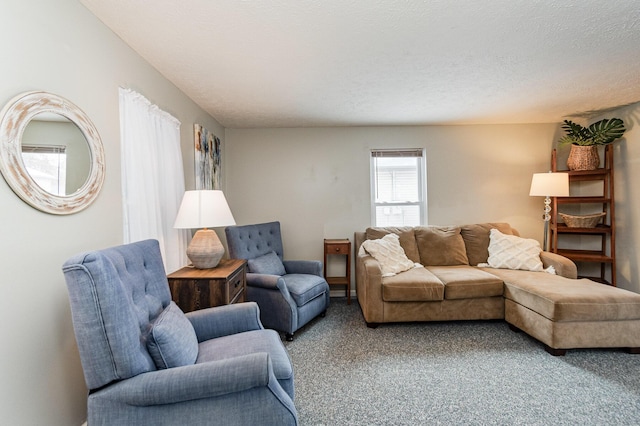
x,y
47,165
398,187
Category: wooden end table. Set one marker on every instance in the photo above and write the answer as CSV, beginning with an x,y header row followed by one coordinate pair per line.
x,y
343,247
194,289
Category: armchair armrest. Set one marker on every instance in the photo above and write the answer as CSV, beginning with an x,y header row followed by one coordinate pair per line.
x,y
273,282
268,282
311,267
192,382
225,320
563,266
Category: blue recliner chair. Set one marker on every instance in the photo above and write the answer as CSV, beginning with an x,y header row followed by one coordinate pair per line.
x,y
290,293
146,362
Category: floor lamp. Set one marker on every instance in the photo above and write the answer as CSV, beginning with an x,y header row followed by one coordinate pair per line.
x,y
549,185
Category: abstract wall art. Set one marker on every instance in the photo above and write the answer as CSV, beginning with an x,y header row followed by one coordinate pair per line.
x,y
207,158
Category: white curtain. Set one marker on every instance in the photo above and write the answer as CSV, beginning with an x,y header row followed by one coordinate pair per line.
x,y
152,176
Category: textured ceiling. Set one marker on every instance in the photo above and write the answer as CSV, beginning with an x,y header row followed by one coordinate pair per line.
x,y
295,63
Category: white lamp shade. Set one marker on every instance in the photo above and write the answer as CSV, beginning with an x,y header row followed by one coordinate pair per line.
x,y
204,209
550,184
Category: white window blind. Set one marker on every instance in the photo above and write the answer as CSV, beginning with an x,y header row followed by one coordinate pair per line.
x,y
398,187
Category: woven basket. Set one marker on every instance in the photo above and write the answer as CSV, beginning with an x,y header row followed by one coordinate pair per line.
x,y
584,221
583,158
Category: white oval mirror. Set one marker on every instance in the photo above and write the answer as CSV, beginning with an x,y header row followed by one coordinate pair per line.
x,y
50,153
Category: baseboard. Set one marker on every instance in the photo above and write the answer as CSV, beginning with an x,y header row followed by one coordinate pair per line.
x,y
341,293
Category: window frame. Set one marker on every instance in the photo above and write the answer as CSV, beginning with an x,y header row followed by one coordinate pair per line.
x,y
60,151
419,153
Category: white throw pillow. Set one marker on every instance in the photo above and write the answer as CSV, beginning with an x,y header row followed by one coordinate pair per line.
x,y
512,252
388,252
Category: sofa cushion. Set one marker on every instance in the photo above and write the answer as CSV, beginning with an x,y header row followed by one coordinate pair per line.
x,y
441,246
388,252
172,341
467,282
414,285
476,240
268,263
407,239
511,252
563,299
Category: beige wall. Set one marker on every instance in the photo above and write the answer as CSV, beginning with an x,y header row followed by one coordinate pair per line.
x,y
60,47
626,155
626,158
316,180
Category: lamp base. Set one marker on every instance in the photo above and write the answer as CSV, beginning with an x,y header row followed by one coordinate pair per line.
x,y
205,249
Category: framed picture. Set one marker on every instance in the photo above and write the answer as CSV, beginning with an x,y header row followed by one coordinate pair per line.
x,y
207,158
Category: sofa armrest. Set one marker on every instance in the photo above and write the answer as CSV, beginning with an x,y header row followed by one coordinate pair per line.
x,y
311,267
563,266
369,288
225,320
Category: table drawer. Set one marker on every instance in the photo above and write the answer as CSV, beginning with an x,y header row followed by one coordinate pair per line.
x,y
235,287
337,249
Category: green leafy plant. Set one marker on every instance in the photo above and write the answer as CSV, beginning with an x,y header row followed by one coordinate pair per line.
x,y
601,132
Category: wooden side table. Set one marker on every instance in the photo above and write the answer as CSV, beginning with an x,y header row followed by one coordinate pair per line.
x,y
339,246
194,289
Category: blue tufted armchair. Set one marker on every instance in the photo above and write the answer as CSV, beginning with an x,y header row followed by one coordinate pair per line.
x,y
290,293
146,362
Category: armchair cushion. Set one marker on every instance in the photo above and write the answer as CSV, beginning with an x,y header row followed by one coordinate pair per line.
x,y
268,263
172,341
251,342
304,288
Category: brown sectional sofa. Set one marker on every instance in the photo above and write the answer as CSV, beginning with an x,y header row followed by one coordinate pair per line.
x,y
559,310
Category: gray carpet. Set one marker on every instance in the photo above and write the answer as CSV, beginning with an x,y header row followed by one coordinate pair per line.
x,y
453,373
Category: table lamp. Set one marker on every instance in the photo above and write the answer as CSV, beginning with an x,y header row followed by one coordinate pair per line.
x,y
204,209
549,185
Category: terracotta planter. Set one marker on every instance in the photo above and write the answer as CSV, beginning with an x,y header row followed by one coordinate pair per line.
x,y
583,158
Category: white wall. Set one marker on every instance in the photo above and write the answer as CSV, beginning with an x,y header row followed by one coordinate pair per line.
x,y
60,47
315,181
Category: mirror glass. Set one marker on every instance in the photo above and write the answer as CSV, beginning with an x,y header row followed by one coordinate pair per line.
x,y
55,154
50,153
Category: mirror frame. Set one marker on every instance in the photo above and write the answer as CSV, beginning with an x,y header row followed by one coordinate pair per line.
x,y
14,117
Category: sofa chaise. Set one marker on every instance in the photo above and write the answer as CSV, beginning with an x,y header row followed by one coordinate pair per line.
x,y
486,271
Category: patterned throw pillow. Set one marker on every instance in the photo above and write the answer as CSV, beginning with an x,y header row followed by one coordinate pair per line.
x,y
388,252
511,252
